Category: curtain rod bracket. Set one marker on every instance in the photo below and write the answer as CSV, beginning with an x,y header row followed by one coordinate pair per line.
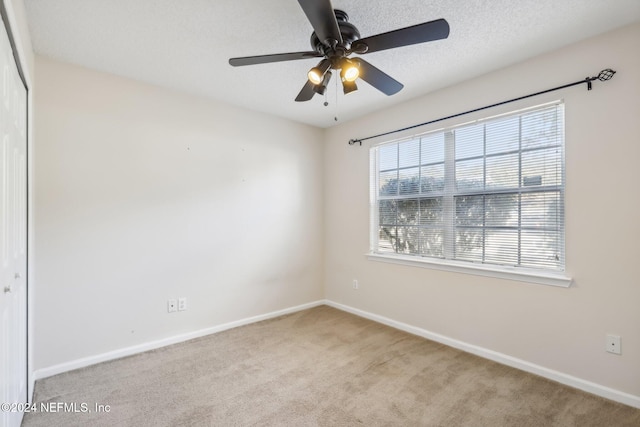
x,y
603,76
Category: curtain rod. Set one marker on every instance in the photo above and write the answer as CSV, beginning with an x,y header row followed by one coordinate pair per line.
x,y
604,75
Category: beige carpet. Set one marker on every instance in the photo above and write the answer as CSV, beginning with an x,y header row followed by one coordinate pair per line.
x,y
318,367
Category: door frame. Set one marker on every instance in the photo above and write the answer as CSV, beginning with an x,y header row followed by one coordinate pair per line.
x,y
7,15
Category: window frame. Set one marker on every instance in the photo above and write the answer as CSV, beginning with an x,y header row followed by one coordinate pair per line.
x,y
546,276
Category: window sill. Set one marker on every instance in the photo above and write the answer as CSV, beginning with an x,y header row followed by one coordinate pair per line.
x,y
510,273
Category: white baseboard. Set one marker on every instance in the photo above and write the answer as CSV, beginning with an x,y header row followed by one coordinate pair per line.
x,y
128,351
584,385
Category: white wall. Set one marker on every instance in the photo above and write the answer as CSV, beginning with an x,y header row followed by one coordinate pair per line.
x,y
556,328
142,194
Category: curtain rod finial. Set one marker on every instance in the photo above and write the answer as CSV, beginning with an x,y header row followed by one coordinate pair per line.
x,y
353,141
606,74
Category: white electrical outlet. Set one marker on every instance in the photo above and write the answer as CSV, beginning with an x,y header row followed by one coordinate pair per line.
x,y
182,303
613,344
172,305
356,285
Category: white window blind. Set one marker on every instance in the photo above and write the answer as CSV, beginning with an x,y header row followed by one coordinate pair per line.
x,y
490,192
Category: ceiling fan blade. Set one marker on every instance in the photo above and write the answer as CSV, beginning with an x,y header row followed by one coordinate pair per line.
x,y
425,32
306,93
378,79
278,57
322,18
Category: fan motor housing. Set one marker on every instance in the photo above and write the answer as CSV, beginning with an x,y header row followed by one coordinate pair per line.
x,y
349,34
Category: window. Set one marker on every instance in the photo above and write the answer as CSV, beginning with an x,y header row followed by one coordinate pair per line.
x,y
489,193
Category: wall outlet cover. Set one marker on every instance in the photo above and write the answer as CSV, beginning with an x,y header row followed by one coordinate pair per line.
x,y
613,344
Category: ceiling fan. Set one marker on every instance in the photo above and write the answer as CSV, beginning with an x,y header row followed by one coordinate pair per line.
x,y
334,39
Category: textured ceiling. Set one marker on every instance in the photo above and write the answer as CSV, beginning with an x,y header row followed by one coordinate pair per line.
x,y
186,44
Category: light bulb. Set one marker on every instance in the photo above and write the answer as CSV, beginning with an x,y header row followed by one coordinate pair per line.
x,y
315,75
350,71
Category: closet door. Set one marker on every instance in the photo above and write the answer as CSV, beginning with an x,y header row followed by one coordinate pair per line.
x,y
13,234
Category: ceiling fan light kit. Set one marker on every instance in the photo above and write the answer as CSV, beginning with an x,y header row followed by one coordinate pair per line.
x,y
334,39
321,88
316,74
350,70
